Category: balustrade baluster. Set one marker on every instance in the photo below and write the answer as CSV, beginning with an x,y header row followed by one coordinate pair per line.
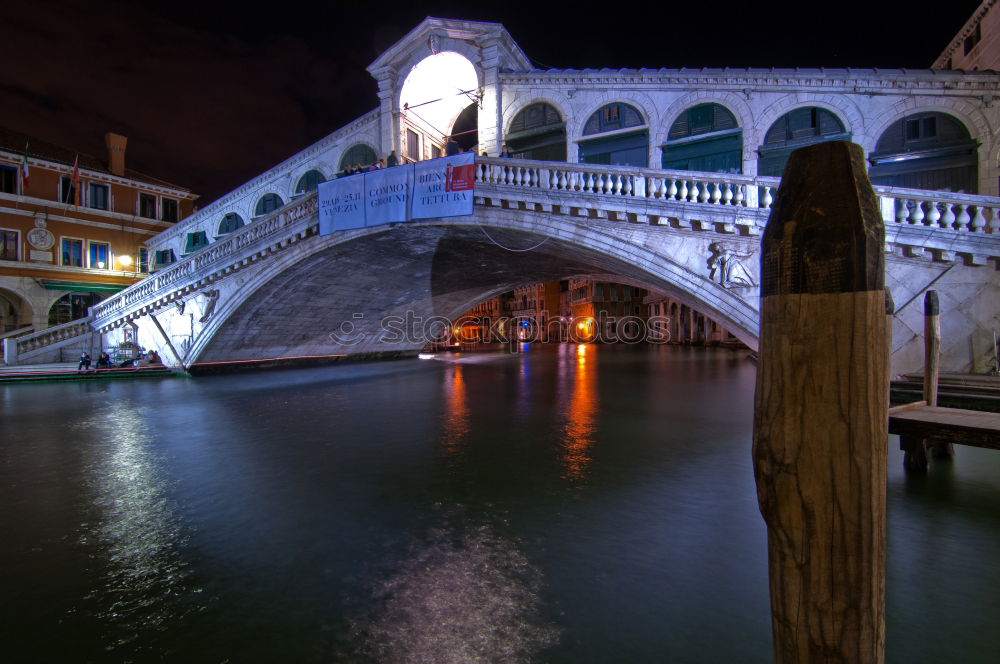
x,y
977,222
903,213
740,196
716,193
562,180
693,195
627,188
618,185
963,220
672,193
948,219
682,193
589,183
993,219
917,215
767,200
727,195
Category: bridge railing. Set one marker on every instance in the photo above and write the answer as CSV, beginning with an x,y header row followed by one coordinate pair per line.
x,y
217,252
690,190
940,209
617,181
25,348
916,207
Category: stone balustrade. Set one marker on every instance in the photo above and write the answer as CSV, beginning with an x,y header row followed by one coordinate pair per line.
x,y
628,182
939,209
53,335
720,202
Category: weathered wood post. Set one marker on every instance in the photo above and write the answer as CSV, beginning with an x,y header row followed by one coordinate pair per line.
x,y
932,368
820,426
932,346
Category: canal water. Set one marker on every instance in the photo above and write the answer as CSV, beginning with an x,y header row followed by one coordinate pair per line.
x,y
571,504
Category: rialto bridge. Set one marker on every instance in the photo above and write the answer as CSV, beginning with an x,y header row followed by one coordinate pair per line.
x,y
660,177
277,289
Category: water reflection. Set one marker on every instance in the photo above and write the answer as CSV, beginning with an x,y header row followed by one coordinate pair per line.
x,y
137,527
580,413
461,595
456,409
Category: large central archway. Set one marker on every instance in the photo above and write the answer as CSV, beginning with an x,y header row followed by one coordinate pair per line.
x,y
434,95
339,298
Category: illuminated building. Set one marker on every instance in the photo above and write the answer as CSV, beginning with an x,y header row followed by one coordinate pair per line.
x,y
70,237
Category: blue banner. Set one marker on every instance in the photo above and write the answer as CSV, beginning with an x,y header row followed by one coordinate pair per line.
x,y
341,204
387,195
444,187
434,188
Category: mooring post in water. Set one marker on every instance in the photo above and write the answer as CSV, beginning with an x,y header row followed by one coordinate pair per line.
x,y
820,424
932,367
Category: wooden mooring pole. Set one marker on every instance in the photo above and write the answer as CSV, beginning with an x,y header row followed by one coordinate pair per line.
x,y
820,423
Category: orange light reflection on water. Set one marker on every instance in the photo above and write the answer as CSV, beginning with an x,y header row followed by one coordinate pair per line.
x,y
581,415
456,409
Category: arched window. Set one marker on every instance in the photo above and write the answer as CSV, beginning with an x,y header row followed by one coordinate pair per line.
x,y
537,132
268,203
795,129
230,223
309,181
73,306
358,154
624,148
927,151
705,137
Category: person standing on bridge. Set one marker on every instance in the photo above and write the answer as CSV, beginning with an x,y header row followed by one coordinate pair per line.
x,y
504,154
392,159
452,147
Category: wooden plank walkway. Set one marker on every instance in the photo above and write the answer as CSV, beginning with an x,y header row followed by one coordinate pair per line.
x,y
920,426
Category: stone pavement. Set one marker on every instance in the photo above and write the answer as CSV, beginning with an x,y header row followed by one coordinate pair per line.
x,y
68,371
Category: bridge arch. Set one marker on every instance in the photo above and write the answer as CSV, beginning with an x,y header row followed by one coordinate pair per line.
x,y
307,181
968,113
427,269
732,102
800,126
628,142
844,108
514,116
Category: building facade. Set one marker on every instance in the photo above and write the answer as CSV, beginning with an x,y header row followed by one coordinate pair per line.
x,y
977,45
73,228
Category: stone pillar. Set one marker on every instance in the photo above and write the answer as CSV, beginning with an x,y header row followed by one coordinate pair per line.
x,y
490,118
388,111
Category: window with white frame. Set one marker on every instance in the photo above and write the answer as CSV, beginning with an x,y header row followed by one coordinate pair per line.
x,y
72,251
8,179
98,255
98,196
147,205
168,209
10,242
67,190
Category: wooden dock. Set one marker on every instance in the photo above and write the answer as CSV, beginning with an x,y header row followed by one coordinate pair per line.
x,y
921,427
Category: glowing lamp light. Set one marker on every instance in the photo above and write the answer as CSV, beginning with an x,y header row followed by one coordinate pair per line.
x,y
125,260
581,326
100,265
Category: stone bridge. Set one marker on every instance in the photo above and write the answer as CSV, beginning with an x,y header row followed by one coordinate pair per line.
x,y
277,289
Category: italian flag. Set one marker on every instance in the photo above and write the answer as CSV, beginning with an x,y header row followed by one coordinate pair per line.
x,y
24,170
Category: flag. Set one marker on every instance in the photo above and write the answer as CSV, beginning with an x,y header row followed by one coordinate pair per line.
x,y
24,170
75,180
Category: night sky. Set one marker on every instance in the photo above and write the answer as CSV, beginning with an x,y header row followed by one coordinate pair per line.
x,y
211,94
